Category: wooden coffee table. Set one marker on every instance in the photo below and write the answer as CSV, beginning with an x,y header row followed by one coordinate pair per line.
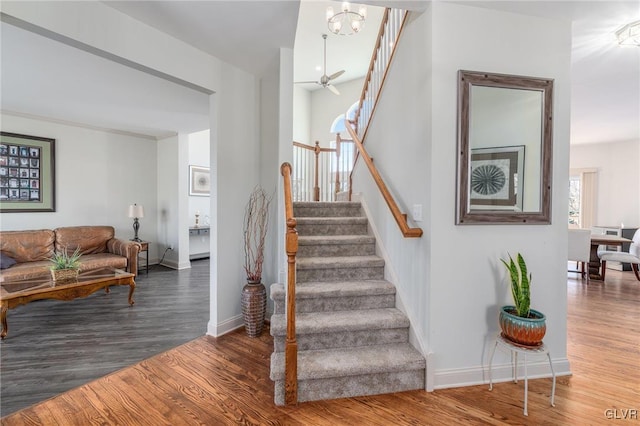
x,y
20,292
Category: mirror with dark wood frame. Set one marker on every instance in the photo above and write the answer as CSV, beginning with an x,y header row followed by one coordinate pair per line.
x,y
505,125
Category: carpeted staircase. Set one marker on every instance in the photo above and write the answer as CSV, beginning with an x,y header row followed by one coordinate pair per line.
x,y
352,340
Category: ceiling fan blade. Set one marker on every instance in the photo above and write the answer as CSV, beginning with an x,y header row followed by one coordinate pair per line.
x,y
305,82
333,89
336,74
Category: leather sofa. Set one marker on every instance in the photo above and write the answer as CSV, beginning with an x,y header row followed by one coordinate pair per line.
x,y
32,249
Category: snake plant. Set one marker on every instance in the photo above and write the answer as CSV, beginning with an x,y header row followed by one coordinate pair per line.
x,y
63,260
520,284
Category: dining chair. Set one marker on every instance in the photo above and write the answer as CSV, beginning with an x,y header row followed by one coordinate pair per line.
x,y
580,250
632,256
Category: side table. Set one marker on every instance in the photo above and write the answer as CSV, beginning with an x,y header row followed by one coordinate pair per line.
x,y
525,350
144,247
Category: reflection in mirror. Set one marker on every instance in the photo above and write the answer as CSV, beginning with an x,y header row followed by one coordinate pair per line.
x,y
504,142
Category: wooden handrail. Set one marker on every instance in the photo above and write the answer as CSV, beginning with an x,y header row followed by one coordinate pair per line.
x,y
312,148
401,219
291,247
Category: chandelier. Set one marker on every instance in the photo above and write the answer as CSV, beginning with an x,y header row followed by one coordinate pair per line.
x,y
347,21
629,35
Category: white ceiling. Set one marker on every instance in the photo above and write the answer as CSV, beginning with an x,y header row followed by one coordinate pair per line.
x,y
244,33
94,91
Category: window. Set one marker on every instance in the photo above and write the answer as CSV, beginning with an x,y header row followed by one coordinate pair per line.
x,y
582,198
574,202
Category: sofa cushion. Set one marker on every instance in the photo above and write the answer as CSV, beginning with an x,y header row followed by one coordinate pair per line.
x,y
28,270
6,261
90,239
27,246
102,260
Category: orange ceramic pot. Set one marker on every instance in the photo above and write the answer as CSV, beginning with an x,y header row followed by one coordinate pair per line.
x,y
523,331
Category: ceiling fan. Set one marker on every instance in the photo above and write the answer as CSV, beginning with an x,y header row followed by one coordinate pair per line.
x,y
325,80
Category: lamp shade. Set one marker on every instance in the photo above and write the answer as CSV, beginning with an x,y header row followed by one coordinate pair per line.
x,y
136,211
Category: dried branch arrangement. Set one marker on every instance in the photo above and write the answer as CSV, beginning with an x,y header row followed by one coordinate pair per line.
x,y
256,219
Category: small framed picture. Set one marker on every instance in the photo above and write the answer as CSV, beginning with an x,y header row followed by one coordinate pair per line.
x,y
497,177
199,181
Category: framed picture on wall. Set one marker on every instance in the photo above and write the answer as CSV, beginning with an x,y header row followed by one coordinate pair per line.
x,y
497,177
31,171
199,181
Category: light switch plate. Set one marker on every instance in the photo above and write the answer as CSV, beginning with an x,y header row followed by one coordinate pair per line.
x,y
417,212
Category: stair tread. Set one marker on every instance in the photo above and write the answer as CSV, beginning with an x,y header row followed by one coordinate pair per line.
x,y
324,204
336,289
334,321
320,220
339,262
341,362
335,239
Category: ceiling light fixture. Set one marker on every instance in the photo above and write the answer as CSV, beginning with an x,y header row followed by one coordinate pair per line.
x,y
629,35
346,22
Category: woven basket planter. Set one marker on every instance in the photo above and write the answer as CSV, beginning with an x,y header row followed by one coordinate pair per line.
x,y
64,275
254,307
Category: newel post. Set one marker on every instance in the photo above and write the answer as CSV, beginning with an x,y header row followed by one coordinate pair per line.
x,y
291,248
316,186
338,165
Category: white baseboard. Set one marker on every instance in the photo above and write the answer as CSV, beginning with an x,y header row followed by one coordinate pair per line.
x,y
500,373
175,265
227,326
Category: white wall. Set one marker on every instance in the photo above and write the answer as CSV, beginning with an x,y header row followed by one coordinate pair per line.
x,y
450,281
199,154
172,182
285,151
98,175
302,115
235,158
618,186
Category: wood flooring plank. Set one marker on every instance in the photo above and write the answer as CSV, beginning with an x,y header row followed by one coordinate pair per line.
x,y
54,346
225,381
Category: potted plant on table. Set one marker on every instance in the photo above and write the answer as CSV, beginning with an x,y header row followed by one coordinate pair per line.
x,y
521,324
254,294
65,266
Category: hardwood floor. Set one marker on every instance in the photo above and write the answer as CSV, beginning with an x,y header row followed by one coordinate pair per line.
x,y
211,381
54,346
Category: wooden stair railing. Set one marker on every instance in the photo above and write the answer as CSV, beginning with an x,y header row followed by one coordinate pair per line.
x,y
401,219
391,27
326,181
291,247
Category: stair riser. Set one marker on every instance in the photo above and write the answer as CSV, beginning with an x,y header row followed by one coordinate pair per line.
x,y
354,211
350,386
334,250
329,304
345,339
340,274
339,229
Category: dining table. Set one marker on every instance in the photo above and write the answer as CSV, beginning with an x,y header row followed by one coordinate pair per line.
x,y
595,266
